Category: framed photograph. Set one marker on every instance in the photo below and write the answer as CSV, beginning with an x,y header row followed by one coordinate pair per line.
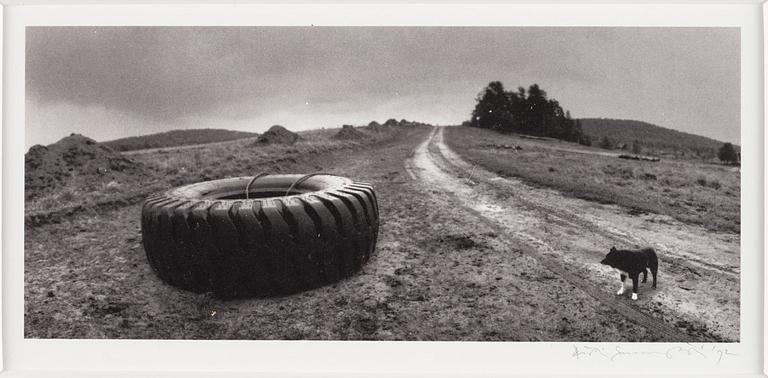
x,y
395,189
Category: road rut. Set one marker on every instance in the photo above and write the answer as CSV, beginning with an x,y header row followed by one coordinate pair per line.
x,y
698,292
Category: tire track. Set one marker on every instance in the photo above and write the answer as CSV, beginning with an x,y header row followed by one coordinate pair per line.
x,y
702,283
451,162
425,165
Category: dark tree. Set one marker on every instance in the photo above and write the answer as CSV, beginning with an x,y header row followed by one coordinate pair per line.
x,y
636,148
524,112
492,110
727,154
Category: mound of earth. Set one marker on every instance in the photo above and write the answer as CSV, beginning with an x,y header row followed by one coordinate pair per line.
x,y
407,123
73,160
391,122
277,135
377,127
348,132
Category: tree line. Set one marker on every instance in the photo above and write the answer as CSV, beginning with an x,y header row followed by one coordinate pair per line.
x,y
531,112
525,112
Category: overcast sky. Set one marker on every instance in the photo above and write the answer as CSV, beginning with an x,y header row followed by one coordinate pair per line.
x,y
112,82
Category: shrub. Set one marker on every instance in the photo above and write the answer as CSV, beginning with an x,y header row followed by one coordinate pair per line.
x,y
727,154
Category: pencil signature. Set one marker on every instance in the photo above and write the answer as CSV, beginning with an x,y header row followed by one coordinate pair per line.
x,y
714,353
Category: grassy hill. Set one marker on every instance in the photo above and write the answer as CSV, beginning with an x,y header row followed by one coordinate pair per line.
x,y
653,139
175,138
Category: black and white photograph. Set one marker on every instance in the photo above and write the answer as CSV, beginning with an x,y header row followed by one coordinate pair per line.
x,y
384,183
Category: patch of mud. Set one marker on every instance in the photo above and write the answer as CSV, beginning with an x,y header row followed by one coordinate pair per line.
x,y
277,135
75,159
460,241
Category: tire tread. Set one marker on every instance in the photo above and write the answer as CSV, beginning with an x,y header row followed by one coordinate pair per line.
x,y
276,246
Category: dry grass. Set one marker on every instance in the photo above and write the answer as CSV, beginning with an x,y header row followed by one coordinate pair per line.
x,y
690,191
243,159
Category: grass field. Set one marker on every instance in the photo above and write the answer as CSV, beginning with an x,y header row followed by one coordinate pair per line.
x,y
693,192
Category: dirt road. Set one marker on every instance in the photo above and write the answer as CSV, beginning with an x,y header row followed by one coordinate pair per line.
x,y
699,280
458,258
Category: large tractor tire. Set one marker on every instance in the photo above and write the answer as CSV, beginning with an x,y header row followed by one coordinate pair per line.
x,y
212,237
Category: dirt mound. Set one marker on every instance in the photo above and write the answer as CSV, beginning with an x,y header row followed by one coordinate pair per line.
x,y
391,122
75,159
277,135
407,123
377,127
348,132
403,123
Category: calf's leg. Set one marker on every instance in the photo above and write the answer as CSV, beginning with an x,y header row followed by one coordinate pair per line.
x,y
623,278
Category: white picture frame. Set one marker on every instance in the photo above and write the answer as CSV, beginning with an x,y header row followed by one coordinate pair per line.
x,y
25,357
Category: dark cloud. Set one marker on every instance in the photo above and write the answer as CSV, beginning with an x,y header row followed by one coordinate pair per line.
x,y
686,78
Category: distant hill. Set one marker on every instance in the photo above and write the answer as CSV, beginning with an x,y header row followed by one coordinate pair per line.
x,y
175,138
653,139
